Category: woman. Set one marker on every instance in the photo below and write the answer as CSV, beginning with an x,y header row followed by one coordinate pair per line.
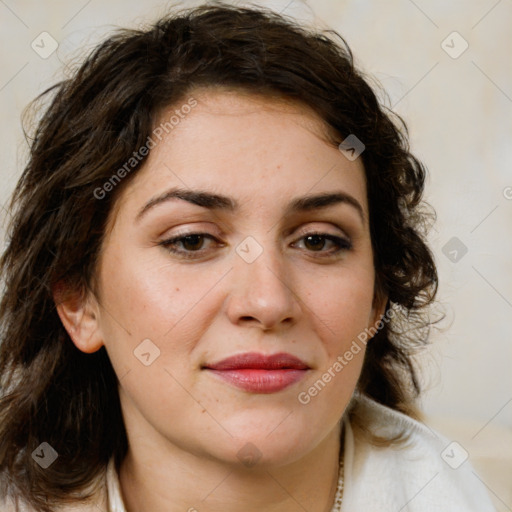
x,y
215,282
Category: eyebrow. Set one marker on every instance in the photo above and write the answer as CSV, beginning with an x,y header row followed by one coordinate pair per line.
x,y
219,202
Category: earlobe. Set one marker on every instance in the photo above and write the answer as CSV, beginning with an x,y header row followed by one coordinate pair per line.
x,y
79,316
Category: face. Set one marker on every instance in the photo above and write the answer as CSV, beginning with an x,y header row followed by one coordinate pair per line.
x,y
220,314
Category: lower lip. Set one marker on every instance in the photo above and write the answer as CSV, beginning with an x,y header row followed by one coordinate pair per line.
x,y
260,381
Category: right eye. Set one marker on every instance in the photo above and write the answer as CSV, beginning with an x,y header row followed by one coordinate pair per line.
x,y
192,244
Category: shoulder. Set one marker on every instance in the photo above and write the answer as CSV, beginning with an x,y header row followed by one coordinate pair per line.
x,y
426,472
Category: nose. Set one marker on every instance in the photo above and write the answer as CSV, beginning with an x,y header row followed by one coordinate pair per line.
x,y
263,293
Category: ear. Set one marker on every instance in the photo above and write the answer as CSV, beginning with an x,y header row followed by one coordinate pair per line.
x,y
380,300
79,316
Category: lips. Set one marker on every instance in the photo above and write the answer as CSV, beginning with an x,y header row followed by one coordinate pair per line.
x,y
255,361
259,373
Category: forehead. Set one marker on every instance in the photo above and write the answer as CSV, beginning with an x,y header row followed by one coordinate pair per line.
x,y
251,146
224,102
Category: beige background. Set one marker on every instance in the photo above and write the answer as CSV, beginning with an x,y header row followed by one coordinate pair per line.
x,y
459,111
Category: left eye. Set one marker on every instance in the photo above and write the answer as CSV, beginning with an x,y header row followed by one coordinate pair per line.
x,y
192,243
317,241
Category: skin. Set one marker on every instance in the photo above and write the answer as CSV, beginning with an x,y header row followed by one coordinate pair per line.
x,y
185,426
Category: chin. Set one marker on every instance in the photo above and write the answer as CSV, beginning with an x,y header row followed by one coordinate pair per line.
x,y
260,449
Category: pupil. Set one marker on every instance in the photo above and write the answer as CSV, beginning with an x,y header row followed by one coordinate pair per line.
x,y
317,239
191,245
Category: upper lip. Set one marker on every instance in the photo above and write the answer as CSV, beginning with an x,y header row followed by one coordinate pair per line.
x,y
254,360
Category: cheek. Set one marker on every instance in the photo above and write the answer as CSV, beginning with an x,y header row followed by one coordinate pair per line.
x,y
342,309
342,306
150,299
140,296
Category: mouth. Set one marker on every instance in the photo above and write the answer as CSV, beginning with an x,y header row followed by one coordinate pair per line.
x,y
259,373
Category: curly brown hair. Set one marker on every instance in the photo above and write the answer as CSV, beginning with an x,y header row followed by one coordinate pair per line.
x,y
53,392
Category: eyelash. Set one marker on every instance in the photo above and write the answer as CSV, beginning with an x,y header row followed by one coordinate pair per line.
x,y
342,244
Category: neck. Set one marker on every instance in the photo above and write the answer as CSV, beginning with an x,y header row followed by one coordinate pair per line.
x,y
175,480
